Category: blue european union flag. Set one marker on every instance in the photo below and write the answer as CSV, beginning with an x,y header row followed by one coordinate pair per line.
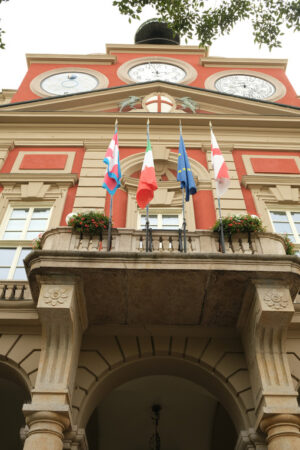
x,y
184,171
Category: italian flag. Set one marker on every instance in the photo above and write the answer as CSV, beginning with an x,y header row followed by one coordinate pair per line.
x,y
147,184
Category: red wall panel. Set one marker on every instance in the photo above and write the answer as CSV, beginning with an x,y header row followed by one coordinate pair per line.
x,y
43,162
267,165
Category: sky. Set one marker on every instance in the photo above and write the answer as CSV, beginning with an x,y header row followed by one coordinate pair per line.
x,y
85,26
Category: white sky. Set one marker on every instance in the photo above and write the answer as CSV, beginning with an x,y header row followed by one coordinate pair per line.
x,y
85,26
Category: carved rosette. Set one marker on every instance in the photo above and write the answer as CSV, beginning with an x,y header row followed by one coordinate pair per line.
x,y
275,299
56,295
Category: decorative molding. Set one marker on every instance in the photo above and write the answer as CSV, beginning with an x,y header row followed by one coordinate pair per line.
x,y
56,295
275,299
156,49
6,145
270,180
191,73
55,142
97,58
277,145
25,178
37,89
213,61
280,89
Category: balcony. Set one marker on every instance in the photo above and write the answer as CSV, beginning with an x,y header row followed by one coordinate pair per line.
x,y
131,287
164,241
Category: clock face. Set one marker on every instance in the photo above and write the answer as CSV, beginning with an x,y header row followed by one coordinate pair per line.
x,y
156,71
245,86
69,83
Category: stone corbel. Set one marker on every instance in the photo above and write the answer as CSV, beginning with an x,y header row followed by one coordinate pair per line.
x,y
5,147
250,440
63,317
76,439
264,339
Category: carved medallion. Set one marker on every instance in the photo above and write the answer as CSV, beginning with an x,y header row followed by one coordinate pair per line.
x,y
56,296
274,299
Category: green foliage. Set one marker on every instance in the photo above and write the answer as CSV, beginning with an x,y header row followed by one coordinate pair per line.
x,y
240,224
289,246
92,223
192,18
37,242
2,45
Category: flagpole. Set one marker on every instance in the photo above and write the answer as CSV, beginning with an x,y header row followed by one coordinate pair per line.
x,y
183,209
109,233
221,229
148,240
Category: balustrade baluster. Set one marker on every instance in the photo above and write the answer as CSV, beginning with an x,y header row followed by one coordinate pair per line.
x,y
155,242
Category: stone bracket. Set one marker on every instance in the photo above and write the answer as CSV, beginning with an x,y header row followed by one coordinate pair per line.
x,y
264,338
61,309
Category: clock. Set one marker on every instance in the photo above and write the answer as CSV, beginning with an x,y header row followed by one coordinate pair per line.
x,y
69,83
63,81
246,86
151,71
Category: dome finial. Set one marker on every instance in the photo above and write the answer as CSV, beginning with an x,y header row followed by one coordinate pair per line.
x,y
154,32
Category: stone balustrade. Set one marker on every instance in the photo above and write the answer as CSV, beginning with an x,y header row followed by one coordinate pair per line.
x,y
14,291
164,241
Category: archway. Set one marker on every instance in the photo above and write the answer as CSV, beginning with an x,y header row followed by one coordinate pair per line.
x,y
211,385
187,415
14,392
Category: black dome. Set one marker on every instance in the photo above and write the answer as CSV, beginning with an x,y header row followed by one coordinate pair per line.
x,y
154,32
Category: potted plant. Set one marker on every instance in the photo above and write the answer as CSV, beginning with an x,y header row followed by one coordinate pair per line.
x,y
37,242
240,224
289,246
91,223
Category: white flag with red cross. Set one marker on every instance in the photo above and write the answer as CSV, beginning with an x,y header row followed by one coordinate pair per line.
x,y
219,165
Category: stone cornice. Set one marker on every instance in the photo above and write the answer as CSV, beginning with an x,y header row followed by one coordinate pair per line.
x,y
267,180
268,146
213,61
100,58
21,178
33,142
156,49
209,100
73,118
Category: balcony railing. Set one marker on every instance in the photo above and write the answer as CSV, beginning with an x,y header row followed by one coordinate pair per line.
x,y
163,241
14,291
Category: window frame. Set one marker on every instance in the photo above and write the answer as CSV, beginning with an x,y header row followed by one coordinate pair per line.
x,y
288,210
20,244
160,212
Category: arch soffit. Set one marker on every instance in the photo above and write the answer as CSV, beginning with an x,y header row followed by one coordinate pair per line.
x,y
133,163
11,371
168,365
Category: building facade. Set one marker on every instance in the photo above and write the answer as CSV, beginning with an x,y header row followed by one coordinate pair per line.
x,y
91,339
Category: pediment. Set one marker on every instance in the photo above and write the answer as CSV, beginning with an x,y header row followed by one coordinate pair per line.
x,y
133,98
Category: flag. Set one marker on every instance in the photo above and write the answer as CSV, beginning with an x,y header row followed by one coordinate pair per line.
x,y
147,183
219,166
184,171
112,175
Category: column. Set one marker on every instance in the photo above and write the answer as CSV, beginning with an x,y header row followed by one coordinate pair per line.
x,y
45,431
282,431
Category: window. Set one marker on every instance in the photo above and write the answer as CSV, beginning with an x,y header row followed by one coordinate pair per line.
x,y
20,226
287,222
161,221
